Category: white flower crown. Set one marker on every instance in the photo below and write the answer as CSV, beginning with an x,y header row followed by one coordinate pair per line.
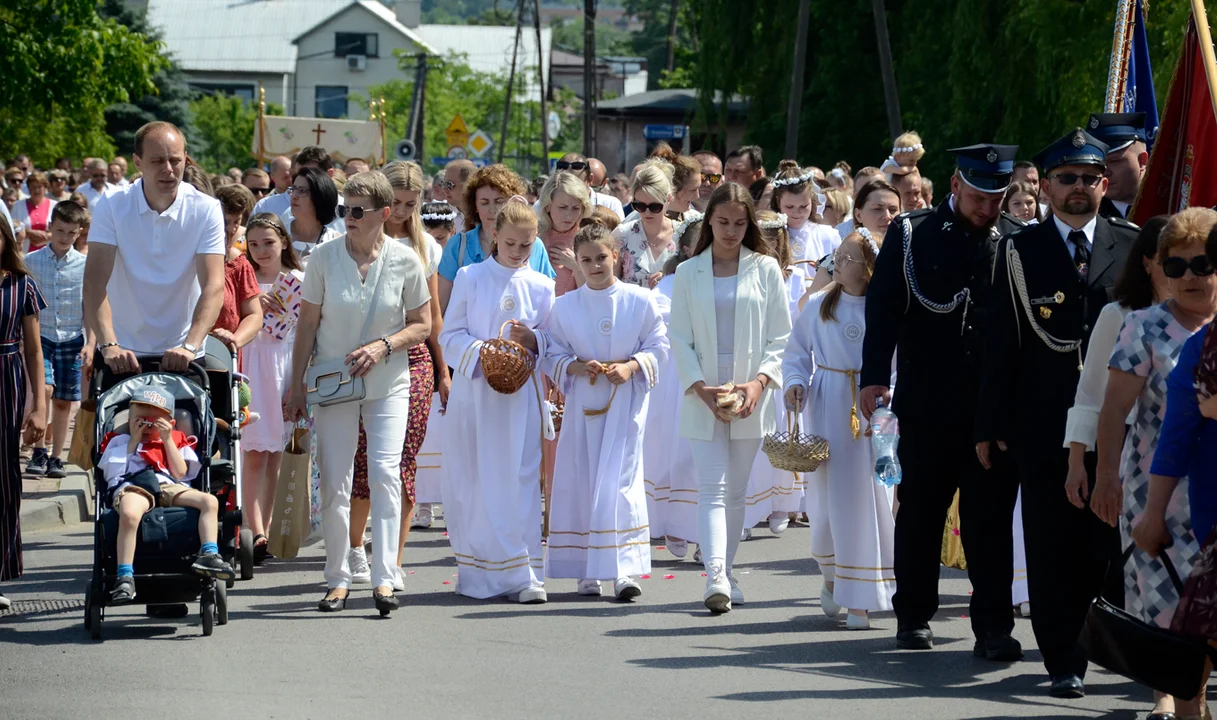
x,y
904,150
870,239
439,217
808,176
691,217
779,222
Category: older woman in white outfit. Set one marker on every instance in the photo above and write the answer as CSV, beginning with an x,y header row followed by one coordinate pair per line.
x,y
730,322
366,303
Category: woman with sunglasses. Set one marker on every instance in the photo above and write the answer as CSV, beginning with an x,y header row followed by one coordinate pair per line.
x,y
1147,350
582,167
646,243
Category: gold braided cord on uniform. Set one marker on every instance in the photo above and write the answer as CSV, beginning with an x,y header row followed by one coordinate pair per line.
x,y
1015,269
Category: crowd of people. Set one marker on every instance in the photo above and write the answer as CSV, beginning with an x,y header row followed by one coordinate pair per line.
x,y
1051,364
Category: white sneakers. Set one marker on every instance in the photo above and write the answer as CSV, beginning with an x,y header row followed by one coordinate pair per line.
x,y
361,574
778,522
737,595
590,588
399,580
678,548
422,516
718,589
746,534
5,603
626,589
534,595
857,622
830,608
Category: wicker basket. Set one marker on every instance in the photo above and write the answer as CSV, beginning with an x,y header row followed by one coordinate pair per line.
x,y
794,451
557,409
507,365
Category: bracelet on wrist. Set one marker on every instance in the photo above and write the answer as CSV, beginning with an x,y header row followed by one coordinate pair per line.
x,y
388,345
103,346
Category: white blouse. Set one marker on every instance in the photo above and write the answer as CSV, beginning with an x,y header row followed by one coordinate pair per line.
x,y
332,281
1082,425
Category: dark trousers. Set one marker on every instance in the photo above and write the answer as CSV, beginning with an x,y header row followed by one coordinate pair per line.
x,y
1069,552
936,462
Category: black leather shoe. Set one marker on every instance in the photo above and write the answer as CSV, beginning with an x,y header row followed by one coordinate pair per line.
x,y
1068,687
1162,716
915,636
332,604
385,603
999,647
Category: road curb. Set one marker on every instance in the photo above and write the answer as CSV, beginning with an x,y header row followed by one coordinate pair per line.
x,y
71,505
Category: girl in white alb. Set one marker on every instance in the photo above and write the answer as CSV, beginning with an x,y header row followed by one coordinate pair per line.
x,y
852,528
796,196
667,458
492,441
604,345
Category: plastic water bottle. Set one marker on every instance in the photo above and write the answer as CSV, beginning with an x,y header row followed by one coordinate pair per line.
x,y
885,437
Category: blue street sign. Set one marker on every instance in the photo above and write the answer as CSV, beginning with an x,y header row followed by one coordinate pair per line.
x,y
441,161
664,132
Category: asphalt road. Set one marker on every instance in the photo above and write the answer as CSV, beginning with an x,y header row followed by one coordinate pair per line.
x,y
446,657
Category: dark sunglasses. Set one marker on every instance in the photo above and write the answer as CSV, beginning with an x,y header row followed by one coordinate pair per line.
x,y
1072,178
641,207
577,165
259,190
1176,267
354,211
712,178
445,185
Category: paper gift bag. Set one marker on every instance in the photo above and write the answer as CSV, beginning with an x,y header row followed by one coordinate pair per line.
x,y
290,522
952,545
80,453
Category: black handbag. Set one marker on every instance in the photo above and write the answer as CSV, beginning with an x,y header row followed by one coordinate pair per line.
x,y
1155,657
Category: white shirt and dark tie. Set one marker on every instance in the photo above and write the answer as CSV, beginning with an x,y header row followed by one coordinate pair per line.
x,y
1078,242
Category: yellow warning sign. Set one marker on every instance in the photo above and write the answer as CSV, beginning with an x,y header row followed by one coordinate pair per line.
x,y
457,132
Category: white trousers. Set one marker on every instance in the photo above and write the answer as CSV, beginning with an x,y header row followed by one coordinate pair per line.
x,y
337,431
723,466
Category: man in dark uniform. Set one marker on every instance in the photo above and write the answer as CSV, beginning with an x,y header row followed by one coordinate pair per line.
x,y
1049,284
1127,158
927,299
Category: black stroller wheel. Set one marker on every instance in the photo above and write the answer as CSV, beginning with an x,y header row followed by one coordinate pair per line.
x,y
89,607
221,604
207,610
245,554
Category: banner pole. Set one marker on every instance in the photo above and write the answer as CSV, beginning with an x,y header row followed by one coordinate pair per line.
x,y
1117,73
261,129
1206,50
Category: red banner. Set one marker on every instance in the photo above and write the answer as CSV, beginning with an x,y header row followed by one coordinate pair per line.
x,y
1182,169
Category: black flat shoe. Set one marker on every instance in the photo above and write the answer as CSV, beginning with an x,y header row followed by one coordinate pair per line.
x,y
999,647
385,603
1162,716
1067,687
332,604
915,636
260,549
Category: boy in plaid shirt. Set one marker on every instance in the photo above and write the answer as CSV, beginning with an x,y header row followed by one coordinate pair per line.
x,y
59,271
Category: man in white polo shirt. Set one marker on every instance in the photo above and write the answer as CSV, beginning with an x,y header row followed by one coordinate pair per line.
x,y
154,281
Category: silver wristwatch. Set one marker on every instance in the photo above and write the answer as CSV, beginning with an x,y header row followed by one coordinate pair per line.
x,y
190,348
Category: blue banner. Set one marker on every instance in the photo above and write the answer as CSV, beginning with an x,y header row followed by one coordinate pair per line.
x,y
1139,85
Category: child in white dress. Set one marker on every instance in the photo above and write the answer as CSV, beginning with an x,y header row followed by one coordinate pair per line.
x,y
610,331
796,195
267,360
852,527
492,441
667,458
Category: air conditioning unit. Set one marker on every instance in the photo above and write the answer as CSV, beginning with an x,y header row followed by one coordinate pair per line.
x,y
357,62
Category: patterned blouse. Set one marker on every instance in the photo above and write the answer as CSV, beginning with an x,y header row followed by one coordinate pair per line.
x,y
637,261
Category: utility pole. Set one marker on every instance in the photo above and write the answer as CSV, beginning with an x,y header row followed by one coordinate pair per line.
x,y
511,79
590,91
671,64
795,108
418,101
536,24
891,95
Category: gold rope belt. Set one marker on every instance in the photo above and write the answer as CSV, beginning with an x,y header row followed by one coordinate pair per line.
x,y
597,413
854,424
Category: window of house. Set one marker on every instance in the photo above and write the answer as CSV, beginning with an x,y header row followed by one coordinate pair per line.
x,y
331,101
356,44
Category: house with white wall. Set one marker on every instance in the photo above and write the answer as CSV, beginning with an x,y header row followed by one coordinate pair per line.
x,y
313,56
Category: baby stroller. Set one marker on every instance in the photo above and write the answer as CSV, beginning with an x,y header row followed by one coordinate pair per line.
x,y
168,537
235,541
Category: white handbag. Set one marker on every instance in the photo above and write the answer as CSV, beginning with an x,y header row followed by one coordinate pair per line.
x,y
330,382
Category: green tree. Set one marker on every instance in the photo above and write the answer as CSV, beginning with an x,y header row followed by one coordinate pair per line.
x,y
223,131
171,99
479,98
651,41
62,65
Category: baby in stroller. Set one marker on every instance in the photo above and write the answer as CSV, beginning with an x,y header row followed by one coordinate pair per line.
x,y
153,466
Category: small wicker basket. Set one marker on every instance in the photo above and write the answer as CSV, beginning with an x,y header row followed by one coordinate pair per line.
x,y
794,451
506,364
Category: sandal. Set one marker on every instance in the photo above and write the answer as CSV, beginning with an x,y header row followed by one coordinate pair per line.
x,y
261,551
124,591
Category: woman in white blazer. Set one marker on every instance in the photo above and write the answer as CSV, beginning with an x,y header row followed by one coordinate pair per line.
x,y
730,322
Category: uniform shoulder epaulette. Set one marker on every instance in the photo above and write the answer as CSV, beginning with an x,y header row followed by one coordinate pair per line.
x,y
915,217
1012,220
1126,224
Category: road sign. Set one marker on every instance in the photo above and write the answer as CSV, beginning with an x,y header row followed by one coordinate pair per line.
x,y
404,150
457,152
480,143
664,132
457,132
480,162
